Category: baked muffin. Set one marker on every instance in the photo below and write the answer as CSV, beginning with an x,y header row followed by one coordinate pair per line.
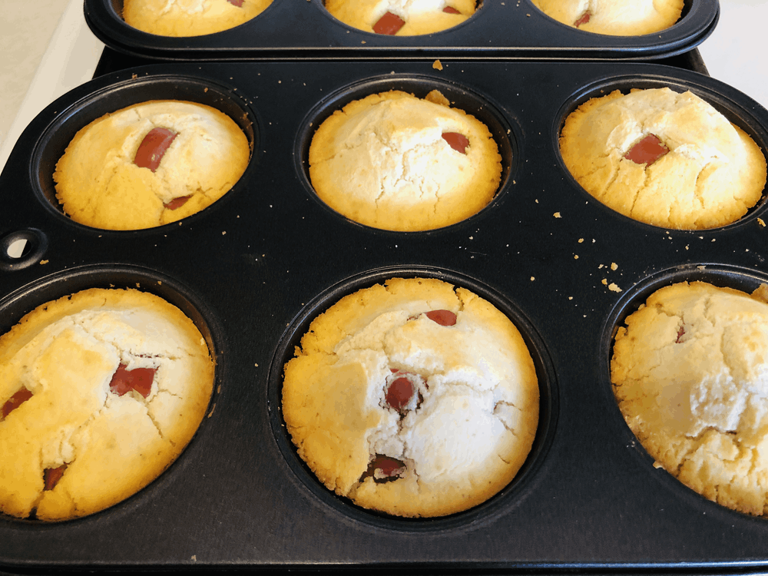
x,y
401,17
689,372
397,162
614,17
150,164
412,398
100,392
663,158
190,17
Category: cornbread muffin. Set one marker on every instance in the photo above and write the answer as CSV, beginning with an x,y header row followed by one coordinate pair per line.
x,y
412,398
150,164
663,158
614,17
690,373
397,162
100,392
190,17
401,17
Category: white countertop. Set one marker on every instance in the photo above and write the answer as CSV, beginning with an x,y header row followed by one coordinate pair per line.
x,y
48,49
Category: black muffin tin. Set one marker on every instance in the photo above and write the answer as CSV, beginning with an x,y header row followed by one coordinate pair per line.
x,y
304,29
253,269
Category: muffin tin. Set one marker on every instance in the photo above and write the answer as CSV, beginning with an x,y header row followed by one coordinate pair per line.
x,y
300,29
255,267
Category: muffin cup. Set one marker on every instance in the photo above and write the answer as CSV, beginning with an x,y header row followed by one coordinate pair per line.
x,y
50,288
261,262
514,29
514,492
57,136
720,275
504,134
742,113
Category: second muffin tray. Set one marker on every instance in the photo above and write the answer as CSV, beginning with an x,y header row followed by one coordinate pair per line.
x,y
299,29
254,268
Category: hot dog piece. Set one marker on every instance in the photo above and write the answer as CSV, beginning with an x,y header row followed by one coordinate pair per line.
x,y
177,202
399,393
389,24
51,476
384,469
139,379
457,141
153,148
450,10
442,317
15,401
583,20
647,150
238,3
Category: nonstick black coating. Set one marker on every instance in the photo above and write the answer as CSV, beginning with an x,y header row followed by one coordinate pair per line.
x,y
300,29
256,266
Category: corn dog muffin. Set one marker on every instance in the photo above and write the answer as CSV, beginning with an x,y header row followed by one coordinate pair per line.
x,y
663,158
397,162
690,374
412,398
150,164
190,17
100,392
614,17
401,17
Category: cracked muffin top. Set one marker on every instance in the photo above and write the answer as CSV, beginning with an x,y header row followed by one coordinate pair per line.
x,y
614,17
401,17
690,374
663,158
412,398
190,17
397,162
100,392
150,164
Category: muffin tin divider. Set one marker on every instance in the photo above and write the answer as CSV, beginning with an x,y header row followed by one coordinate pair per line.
x,y
590,497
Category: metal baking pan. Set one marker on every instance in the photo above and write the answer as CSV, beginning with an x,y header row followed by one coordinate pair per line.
x,y
254,268
293,29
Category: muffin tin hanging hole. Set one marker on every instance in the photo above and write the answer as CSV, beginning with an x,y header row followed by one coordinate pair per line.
x,y
22,248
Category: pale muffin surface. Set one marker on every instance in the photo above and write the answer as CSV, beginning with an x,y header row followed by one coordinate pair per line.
x,y
419,16
189,17
382,161
690,374
113,442
469,427
98,183
614,17
712,174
